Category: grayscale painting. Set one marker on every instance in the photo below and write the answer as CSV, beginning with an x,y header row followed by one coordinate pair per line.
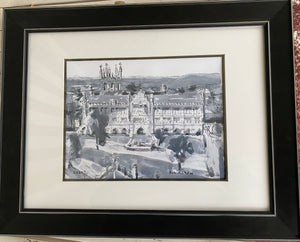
x,y
144,119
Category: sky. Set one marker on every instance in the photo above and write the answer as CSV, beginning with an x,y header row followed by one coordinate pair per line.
x,y
165,67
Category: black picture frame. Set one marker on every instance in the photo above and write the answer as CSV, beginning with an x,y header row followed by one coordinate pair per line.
x,y
281,222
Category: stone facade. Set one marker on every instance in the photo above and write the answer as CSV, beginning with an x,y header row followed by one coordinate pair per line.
x,y
148,112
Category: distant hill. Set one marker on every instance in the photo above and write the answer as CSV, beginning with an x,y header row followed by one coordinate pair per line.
x,y
199,80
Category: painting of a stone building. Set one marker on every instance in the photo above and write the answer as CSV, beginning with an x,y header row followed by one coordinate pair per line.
x,y
144,119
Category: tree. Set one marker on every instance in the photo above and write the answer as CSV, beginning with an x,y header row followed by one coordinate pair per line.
x,y
74,147
180,146
70,116
133,88
78,95
192,88
181,90
99,125
140,131
160,136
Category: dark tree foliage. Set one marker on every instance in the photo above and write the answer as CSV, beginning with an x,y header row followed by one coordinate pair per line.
x,y
75,146
180,146
133,88
199,132
181,90
70,116
99,127
217,130
140,131
192,88
78,94
160,135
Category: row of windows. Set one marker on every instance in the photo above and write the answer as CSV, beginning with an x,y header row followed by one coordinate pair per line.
x,y
104,104
177,122
119,120
170,104
177,112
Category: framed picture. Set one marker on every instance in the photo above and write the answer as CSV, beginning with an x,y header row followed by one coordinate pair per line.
x,y
160,120
139,119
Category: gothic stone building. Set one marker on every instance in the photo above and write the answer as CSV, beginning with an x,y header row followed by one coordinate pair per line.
x,y
144,112
148,112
